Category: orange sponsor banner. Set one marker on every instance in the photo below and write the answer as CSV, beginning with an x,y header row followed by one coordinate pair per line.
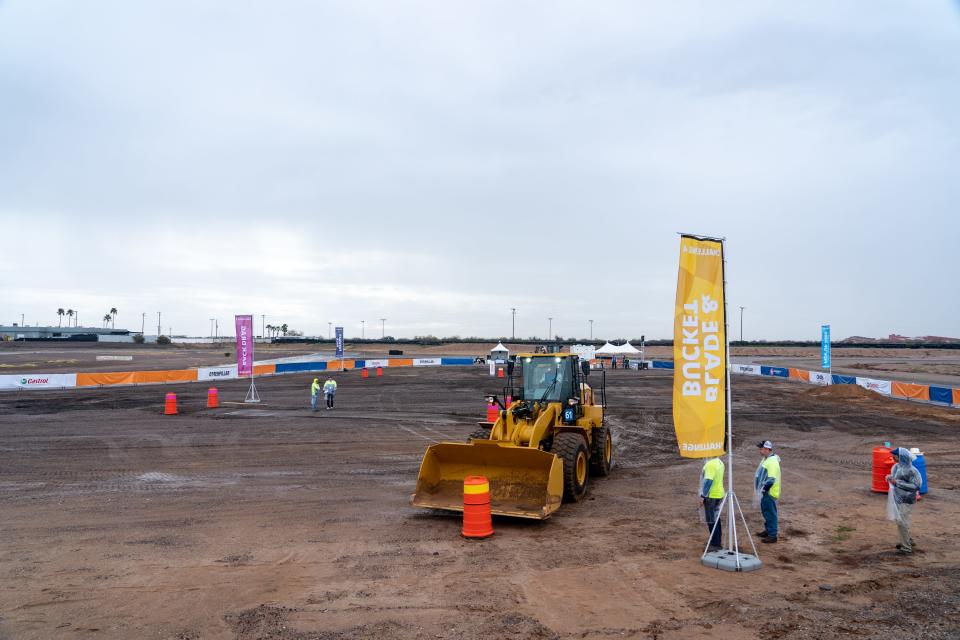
x,y
913,391
401,362
264,369
136,377
956,396
334,365
800,374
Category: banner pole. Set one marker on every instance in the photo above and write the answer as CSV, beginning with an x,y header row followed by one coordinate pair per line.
x,y
731,517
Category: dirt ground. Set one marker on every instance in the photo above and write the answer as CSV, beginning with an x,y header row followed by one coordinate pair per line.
x,y
273,522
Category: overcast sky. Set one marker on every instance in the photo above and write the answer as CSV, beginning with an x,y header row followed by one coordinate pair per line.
x,y
437,163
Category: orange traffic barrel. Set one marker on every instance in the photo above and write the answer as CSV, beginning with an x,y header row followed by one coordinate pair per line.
x,y
170,405
492,412
213,398
364,373
499,372
882,464
477,522
379,371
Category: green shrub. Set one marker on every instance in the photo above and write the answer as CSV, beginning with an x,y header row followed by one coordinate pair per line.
x,y
163,340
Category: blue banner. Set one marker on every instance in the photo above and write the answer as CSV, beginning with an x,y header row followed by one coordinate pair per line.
x,y
941,394
844,379
778,372
339,342
825,346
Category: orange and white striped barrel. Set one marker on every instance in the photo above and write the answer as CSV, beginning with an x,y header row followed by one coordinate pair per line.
x,y
493,412
213,398
170,405
477,522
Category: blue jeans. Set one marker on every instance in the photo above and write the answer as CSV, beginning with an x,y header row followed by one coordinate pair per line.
x,y
711,509
768,507
313,401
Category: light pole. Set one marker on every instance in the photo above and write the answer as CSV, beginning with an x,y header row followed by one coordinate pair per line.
x,y
550,332
741,323
383,328
329,329
143,321
591,329
159,330
363,329
211,329
263,325
513,326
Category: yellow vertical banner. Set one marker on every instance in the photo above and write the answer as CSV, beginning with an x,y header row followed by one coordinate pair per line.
x,y
699,350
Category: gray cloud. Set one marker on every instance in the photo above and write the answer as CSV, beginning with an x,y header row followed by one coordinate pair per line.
x,y
439,163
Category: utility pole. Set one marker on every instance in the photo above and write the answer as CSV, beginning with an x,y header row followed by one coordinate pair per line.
x,y
329,329
211,329
550,332
159,330
363,329
21,319
143,321
741,323
383,328
591,329
263,325
513,326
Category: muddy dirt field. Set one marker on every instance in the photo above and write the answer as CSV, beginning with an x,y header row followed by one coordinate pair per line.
x,y
274,522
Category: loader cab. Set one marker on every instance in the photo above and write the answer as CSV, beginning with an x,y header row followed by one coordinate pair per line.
x,y
548,378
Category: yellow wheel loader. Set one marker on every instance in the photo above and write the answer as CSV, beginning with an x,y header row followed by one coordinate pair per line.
x,y
541,451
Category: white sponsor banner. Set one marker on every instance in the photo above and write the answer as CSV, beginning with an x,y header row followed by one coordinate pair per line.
x,y
493,367
426,362
748,369
585,351
373,364
820,377
39,381
217,373
880,386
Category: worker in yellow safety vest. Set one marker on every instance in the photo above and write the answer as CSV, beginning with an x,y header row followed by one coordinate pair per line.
x,y
711,497
329,391
766,490
314,394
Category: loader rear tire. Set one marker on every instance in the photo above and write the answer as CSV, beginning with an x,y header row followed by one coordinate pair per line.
x,y
601,458
572,449
479,434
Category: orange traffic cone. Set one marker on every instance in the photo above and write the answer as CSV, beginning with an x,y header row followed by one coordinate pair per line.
x,y
477,522
499,372
213,398
379,371
493,412
365,373
170,405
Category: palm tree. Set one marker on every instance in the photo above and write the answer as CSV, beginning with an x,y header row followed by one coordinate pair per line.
x,y
269,328
69,316
60,313
283,328
113,320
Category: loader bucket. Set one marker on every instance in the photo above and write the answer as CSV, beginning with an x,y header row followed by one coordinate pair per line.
x,y
524,482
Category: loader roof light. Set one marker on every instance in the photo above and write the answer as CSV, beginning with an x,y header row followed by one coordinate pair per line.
x,y
557,359
526,359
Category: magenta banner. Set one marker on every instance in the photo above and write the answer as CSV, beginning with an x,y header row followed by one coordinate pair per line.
x,y
244,346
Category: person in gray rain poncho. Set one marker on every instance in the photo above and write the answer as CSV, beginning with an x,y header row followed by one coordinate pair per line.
x,y
905,481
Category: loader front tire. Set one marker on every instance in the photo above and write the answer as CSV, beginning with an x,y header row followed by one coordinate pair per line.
x,y
601,458
479,434
572,449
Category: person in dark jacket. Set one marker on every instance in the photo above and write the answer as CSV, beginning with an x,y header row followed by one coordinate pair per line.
x,y
904,481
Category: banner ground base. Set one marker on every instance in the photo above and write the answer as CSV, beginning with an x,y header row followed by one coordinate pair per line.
x,y
726,560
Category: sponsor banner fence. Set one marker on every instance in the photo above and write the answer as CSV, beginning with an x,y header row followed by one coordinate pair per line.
x,y
912,391
136,377
777,372
426,362
799,374
294,367
956,396
941,394
662,364
373,364
455,361
820,377
217,373
838,379
747,369
39,381
401,362
880,386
